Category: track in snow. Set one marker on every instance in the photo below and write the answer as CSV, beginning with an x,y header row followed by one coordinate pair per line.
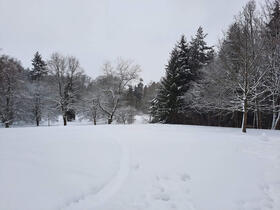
x,y
97,199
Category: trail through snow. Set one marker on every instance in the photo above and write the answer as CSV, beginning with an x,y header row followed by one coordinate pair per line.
x,y
103,195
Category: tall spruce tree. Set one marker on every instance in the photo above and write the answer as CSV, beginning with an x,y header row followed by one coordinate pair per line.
x,y
273,25
200,54
39,68
184,72
170,98
181,72
38,71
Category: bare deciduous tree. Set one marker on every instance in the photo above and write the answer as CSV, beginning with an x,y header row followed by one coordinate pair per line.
x,y
10,88
66,71
234,82
113,83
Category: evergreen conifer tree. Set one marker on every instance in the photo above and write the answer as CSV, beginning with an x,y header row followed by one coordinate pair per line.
x,y
170,96
200,53
274,23
37,72
182,70
39,68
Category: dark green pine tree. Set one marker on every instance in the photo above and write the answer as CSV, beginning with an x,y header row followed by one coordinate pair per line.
x,y
138,93
39,68
37,72
274,23
200,54
154,110
184,72
181,72
169,101
130,96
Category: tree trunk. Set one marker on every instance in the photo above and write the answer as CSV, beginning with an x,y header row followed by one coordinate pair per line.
x,y
110,121
255,120
37,122
276,120
257,115
275,113
236,119
244,120
259,120
245,115
219,119
7,125
64,120
277,124
94,121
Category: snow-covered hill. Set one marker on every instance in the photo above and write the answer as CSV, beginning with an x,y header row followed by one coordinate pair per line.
x,y
143,167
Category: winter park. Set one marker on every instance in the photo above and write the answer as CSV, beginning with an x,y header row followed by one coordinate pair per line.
x,y
140,105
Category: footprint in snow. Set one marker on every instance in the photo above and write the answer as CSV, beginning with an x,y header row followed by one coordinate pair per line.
x,y
162,196
264,137
185,177
135,166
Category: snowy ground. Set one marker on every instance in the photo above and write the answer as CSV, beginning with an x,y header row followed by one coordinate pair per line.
x,y
139,167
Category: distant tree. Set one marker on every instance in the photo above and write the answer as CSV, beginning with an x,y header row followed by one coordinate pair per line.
x,y
138,93
39,68
149,93
154,111
37,73
89,106
130,98
66,72
10,90
126,114
113,83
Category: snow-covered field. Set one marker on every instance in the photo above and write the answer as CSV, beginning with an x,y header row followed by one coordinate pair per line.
x,y
139,167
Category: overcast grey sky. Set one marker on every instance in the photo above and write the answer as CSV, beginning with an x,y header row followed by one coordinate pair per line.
x,y
97,31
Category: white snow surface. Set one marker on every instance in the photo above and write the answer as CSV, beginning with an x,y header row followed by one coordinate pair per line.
x,y
141,119
139,167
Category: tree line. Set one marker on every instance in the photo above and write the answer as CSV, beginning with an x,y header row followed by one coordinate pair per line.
x,y
238,85
59,87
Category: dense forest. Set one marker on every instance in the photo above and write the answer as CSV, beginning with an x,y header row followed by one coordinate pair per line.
x,y
235,84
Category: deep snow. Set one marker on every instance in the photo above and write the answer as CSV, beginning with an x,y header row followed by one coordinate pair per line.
x,y
151,167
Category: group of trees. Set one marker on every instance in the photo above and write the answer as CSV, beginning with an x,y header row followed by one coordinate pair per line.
x,y
59,87
238,86
139,96
182,70
11,82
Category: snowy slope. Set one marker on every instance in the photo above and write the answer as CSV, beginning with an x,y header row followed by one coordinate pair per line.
x,y
151,167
